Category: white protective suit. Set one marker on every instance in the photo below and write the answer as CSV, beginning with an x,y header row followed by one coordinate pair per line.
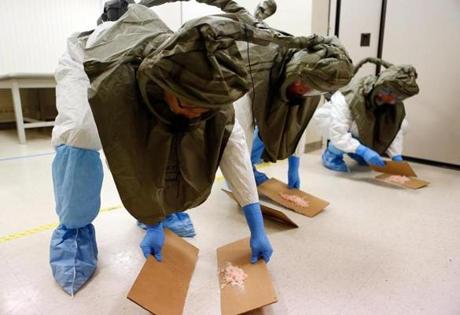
x,y
334,119
244,115
75,125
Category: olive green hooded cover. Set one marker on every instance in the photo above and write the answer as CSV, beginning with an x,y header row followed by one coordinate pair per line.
x,y
378,125
161,162
321,62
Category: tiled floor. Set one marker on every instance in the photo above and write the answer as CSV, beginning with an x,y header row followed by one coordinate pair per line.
x,y
375,250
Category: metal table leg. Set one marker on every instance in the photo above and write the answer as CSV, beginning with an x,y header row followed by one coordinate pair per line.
x,y
18,112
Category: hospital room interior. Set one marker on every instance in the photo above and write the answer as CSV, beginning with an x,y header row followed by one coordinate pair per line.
x,y
229,157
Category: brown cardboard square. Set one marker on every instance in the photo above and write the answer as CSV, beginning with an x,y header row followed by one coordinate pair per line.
x,y
270,213
273,187
277,215
258,288
413,183
161,287
396,168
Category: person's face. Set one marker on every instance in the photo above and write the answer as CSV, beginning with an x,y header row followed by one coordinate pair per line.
x,y
181,108
298,88
386,96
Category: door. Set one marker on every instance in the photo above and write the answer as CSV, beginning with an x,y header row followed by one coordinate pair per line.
x,y
426,34
358,29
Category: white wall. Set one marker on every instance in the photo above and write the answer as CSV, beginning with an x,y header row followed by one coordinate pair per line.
x,y
33,33
293,16
425,34
170,13
192,10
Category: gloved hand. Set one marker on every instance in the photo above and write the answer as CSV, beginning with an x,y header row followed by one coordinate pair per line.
x,y
259,176
293,172
397,158
153,241
260,245
370,156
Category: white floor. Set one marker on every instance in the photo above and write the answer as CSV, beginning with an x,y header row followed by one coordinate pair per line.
x,y
375,250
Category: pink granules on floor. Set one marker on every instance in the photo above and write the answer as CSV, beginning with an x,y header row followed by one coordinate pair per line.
x,y
233,275
298,201
397,179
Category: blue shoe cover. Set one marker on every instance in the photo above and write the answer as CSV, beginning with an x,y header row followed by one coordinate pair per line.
x,y
73,256
333,159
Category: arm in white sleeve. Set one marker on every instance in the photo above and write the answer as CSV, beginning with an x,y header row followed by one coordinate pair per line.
x,y
396,147
243,113
340,123
300,149
74,125
237,169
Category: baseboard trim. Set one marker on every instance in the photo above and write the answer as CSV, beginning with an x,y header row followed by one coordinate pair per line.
x,y
313,146
432,163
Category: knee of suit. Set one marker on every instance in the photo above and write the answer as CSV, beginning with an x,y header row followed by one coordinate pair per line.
x,y
77,138
77,180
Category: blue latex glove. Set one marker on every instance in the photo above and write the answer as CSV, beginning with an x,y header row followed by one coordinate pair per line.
x,y
257,148
370,156
397,158
260,245
358,159
259,176
153,241
178,222
293,172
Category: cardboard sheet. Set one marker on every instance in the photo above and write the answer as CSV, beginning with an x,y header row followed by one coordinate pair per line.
x,y
277,215
258,288
396,168
273,187
161,287
270,213
413,183
402,169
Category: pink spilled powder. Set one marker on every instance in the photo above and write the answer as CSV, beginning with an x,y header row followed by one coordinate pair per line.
x,y
298,201
397,179
233,275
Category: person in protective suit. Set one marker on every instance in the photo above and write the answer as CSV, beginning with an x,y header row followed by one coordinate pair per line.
x,y
287,81
160,104
367,119
287,90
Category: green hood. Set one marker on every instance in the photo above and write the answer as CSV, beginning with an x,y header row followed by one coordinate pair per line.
x,y
200,63
324,64
401,79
